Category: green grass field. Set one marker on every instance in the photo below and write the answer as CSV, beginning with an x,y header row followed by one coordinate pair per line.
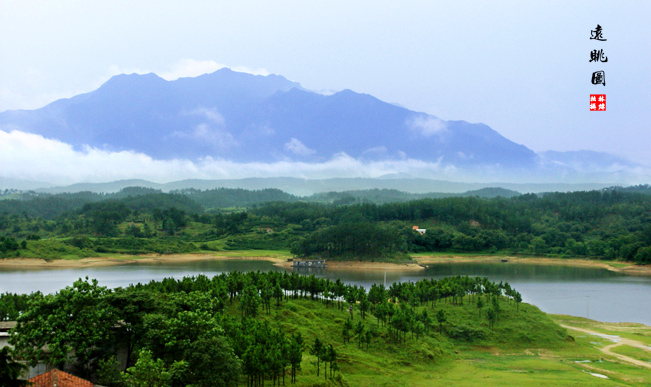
x,y
278,254
634,352
526,348
633,331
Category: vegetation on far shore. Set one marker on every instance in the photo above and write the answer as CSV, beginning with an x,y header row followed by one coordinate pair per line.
x,y
265,327
609,224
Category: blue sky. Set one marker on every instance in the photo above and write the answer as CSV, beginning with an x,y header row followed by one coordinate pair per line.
x,y
522,67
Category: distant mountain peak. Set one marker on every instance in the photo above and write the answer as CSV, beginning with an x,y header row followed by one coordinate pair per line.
x,y
131,80
242,117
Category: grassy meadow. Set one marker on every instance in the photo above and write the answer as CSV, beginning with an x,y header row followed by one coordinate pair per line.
x,y
526,348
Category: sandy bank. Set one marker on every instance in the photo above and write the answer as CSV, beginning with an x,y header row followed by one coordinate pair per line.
x,y
628,268
35,263
365,266
419,262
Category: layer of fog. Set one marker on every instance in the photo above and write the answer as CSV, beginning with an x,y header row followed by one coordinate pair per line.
x,y
32,157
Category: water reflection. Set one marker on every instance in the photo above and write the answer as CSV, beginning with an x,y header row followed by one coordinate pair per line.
x,y
521,271
581,291
317,271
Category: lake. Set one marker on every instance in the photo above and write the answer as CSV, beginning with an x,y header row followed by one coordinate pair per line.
x,y
588,292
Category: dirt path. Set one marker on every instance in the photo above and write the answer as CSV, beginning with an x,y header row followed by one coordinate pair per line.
x,y
617,342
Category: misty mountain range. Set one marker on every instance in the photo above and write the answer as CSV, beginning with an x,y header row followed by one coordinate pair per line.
x,y
305,187
248,118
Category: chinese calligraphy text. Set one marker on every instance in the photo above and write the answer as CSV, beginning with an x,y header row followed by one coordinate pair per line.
x,y
599,78
598,56
598,101
597,34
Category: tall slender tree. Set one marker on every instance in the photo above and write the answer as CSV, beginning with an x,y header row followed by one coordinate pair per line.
x,y
317,351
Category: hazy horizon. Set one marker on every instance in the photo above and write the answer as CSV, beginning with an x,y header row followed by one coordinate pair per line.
x,y
521,68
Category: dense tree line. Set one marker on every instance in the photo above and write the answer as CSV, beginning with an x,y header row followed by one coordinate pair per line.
x,y
47,206
50,206
235,197
354,240
9,244
12,305
383,196
642,188
208,331
606,224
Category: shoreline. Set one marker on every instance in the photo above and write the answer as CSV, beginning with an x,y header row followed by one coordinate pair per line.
x,y
628,268
420,262
366,266
38,263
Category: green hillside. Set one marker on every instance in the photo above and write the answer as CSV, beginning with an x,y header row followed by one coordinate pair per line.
x,y
271,328
608,224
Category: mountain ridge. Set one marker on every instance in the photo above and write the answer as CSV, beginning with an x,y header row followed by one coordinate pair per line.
x,y
243,118
306,187
248,118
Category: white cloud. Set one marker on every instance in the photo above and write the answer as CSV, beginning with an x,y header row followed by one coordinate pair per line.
x,y
215,136
427,125
212,131
32,157
208,134
245,69
326,92
29,156
181,69
376,152
298,148
211,115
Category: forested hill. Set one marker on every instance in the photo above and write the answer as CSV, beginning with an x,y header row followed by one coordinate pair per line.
x,y
607,224
49,206
381,196
643,188
260,328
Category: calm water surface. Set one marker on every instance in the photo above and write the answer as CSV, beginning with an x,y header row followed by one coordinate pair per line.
x,y
596,293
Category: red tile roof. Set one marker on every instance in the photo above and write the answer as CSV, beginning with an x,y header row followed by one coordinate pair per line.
x,y
57,378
